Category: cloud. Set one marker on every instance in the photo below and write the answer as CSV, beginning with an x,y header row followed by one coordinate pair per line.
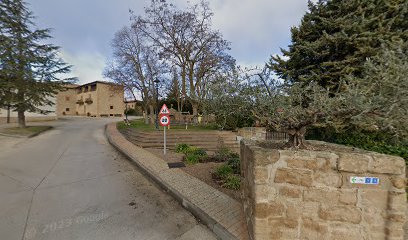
x,y
84,29
256,29
87,66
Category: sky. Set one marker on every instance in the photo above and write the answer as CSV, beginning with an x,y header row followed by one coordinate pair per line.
x,y
84,29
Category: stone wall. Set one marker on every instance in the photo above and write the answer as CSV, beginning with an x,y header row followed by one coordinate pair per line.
x,y
254,133
309,195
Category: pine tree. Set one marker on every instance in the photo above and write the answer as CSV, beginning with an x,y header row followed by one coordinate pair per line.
x,y
336,37
29,69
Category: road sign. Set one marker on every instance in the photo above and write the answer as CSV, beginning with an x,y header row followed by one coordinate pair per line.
x,y
365,180
164,110
164,120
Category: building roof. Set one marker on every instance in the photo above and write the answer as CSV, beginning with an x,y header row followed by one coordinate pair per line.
x,y
100,82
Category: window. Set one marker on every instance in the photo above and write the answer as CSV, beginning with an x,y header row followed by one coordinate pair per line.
x,y
111,107
67,109
93,87
66,98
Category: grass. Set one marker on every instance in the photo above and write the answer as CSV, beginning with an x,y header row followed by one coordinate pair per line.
x,y
25,132
139,124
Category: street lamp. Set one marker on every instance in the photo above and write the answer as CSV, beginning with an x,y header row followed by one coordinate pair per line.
x,y
157,81
126,111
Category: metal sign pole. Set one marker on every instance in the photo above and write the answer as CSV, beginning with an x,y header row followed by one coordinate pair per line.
x,y
164,141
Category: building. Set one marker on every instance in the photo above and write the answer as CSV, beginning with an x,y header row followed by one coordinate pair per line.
x,y
95,99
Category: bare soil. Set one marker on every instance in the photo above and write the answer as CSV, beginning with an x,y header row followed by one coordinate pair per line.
x,y
202,171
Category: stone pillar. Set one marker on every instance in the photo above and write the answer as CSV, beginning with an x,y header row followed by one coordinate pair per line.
x,y
310,195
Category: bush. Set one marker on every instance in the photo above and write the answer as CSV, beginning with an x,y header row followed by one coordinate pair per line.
x,y
192,159
234,121
192,154
223,155
372,141
235,164
196,151
223,171
182,148
232,181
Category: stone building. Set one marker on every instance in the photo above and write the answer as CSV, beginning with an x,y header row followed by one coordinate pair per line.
x,y
95,99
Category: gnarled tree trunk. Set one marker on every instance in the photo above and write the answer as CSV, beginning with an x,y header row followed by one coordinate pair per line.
x,y
296,138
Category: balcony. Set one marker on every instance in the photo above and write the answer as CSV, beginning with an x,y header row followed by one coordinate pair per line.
x,y
89,100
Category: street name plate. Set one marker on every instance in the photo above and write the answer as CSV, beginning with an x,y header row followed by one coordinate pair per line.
x,y
365,180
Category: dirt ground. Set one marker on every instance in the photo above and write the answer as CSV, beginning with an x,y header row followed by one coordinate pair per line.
x,y
201,171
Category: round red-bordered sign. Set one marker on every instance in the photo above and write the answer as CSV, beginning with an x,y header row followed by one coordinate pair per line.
x,y
164,120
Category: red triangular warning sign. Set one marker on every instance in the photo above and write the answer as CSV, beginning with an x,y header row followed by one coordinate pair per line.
x,y
164,110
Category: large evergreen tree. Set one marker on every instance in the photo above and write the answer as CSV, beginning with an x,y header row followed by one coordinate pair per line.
x,y
335,37
29,69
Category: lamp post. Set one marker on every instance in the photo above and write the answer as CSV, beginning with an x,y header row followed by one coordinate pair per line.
x,y
126,111
157,81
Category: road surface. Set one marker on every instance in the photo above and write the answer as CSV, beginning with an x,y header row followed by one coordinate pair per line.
x,y
69,183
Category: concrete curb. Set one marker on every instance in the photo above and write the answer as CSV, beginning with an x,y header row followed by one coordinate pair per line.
x,y
169,180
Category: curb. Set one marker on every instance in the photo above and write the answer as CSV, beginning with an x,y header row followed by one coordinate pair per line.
x,y
163,181
38,133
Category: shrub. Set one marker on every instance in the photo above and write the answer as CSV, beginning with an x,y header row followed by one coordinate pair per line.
x,y
372,141
235,164
182,148
192,154
193,150
192,159
232,181
223,171
223,155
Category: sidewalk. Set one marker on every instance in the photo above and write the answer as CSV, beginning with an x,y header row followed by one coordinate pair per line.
x,y
222,214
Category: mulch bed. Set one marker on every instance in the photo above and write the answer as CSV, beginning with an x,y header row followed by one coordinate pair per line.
x,y
202,171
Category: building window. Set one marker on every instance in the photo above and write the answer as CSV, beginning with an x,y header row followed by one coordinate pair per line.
x,y
66,98
93,87
86,89
66,109
111,107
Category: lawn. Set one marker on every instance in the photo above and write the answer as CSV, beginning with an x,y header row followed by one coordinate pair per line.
x,y
25,132
139,124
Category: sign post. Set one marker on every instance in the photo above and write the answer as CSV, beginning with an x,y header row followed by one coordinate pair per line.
x,y
164,122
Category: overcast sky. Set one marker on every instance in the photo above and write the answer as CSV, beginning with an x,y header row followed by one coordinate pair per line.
x,y
84,28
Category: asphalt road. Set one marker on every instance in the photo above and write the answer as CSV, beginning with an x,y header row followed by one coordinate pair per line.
x,y
69,183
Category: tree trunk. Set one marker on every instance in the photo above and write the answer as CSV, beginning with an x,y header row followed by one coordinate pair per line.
x,y
152,116
183,87
145,113
195,112
21,119
296,138
8,113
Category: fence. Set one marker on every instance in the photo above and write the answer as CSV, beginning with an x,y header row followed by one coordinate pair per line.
x,y
276,136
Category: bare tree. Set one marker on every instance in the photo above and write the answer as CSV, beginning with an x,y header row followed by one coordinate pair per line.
x,y
186,40
135,65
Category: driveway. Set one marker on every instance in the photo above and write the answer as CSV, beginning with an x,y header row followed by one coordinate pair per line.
x,y
69,183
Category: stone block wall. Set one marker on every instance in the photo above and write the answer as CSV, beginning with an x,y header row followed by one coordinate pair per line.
x,y
254,133
308,194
